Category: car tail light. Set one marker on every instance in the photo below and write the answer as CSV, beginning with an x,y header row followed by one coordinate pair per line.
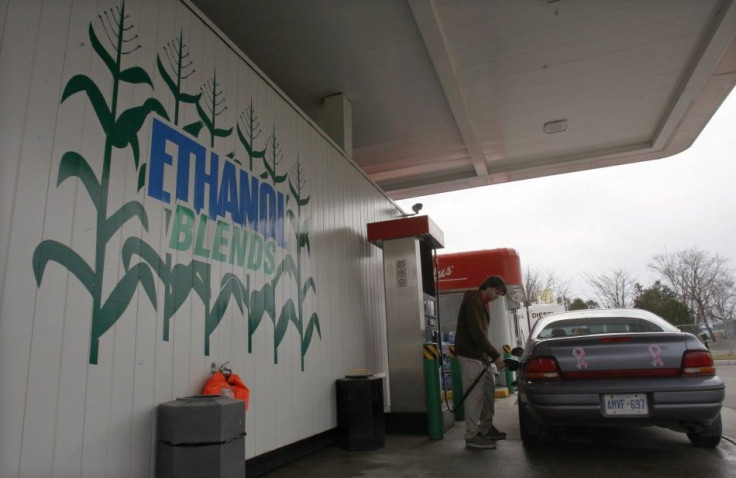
x,y
542,368
613,340
698,362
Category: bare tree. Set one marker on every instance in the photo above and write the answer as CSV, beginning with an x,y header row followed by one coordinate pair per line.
x,y
702,281
563,290
543,285
615,288
724,300
536,281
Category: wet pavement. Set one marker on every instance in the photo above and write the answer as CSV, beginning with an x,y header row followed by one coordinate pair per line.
x,y
607,452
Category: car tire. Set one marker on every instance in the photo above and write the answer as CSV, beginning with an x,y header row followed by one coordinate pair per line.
x,y
710,437
531,432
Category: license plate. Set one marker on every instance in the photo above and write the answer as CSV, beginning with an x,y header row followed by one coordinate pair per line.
x,y
625,404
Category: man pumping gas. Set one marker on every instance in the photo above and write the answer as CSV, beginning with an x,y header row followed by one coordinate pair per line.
x,y
475,354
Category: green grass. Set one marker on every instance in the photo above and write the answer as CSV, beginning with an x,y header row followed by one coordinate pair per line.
x,y
724,357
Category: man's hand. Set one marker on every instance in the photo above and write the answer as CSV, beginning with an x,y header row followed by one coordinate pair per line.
x,y
500,364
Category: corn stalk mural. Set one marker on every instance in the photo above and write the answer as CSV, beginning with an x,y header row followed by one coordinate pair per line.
x,y
182,67
301,234
249,132
229,198
180,279
121,131
214,105
263,301
266,297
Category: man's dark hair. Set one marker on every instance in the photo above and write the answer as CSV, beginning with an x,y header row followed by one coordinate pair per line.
x,y
496,282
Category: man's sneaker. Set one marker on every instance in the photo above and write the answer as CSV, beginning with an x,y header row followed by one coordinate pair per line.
x,y
479,441
494,434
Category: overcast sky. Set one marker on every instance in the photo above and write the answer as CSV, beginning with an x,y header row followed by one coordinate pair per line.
x,y
608,218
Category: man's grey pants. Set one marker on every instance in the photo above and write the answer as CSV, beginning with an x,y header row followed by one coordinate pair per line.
x,y
480,402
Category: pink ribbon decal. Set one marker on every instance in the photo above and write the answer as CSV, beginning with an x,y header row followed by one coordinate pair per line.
x,y
656,352
579,354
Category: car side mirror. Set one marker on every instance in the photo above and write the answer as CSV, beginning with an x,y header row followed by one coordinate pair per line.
x,y
517,351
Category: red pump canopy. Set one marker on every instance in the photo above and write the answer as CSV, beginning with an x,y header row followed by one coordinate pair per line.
x,y
466,270
413,226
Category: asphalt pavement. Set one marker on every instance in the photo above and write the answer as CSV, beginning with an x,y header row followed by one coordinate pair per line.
x,y
726,369
631,452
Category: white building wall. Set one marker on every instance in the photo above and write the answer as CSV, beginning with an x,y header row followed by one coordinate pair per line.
x,y
62,414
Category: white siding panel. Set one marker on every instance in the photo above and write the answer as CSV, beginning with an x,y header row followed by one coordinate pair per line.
x,y
74,360
26,179
157,29
8,144
42,384
69,415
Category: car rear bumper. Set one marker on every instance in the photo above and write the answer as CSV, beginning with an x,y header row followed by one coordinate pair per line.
x,y
671,402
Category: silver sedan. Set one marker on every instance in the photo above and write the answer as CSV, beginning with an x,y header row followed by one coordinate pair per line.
x,y
617,367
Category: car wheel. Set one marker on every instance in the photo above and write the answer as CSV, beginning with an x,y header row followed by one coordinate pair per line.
x,y
710,437
531,432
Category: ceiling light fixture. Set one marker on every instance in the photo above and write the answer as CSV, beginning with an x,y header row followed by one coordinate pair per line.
x,y
557,126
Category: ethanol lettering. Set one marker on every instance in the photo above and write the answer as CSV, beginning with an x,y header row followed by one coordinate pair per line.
x,y
231,244
233,216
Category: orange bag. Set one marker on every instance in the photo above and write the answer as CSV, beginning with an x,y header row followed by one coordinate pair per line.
x,y
227,385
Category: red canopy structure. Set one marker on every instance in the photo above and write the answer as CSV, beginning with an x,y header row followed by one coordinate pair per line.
x,y
466,270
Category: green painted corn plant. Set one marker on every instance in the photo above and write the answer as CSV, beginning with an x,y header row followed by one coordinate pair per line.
x,y
214,106
230,286
181,68
121,131
263,301
248,134
301,234
258,301
178,279
272,159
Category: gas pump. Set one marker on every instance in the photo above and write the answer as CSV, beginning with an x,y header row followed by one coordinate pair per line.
x,y
409,246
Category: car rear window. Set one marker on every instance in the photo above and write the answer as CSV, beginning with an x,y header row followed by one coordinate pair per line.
x,y
586,326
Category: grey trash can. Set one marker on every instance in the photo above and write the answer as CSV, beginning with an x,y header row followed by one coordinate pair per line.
x,y
201,436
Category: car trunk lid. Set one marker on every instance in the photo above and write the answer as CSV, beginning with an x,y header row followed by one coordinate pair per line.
x,y
622,355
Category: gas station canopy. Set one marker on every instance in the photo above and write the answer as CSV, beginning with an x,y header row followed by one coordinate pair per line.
x,y
461,271
466,270
444,95
421,227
